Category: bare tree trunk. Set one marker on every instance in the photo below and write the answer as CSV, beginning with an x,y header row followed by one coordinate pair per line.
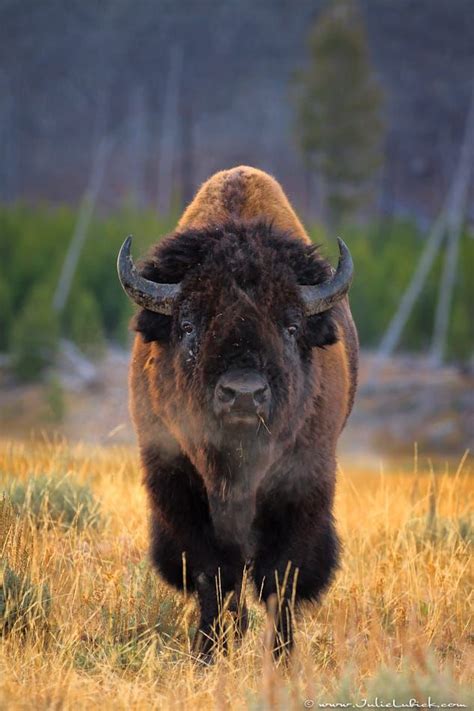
x,y
266,143
169,127
307,194
138,146
394,331
455,219
187,183
455,199
86,211
8,143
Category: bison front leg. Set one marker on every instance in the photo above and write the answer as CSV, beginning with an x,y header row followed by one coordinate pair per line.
x,y
296,564
279,594
219,599
206,637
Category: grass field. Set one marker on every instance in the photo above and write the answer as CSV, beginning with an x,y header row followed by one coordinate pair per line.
x,y
86,624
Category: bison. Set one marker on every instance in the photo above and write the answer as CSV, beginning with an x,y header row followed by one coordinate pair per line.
x,y
243,374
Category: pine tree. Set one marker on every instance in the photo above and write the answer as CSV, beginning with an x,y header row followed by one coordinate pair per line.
x,y
338,110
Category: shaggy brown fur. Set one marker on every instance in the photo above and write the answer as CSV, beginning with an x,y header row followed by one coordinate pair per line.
x,y
222,496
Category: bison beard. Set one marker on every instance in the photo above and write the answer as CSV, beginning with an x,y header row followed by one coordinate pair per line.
x,y
238,398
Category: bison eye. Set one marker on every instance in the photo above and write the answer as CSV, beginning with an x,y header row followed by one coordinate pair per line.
x,y
292,329
187,326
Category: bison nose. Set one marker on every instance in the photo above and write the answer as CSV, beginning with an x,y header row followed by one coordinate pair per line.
x,y
242,393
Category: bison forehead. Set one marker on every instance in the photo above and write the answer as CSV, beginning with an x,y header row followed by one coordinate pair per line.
x,y
243,286
249,254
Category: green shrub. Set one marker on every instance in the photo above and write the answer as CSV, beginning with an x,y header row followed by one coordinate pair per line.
x,y
34,244
50,500
6,313
137,615
34,338
23,606
424,687
142,605
84,323
55,400
424,684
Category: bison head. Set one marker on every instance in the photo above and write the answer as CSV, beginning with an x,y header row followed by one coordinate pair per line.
x,y
233,314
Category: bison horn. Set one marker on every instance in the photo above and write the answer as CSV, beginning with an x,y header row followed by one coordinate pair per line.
x,y
149,294
321,297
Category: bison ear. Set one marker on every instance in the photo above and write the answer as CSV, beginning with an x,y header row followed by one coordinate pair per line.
x,y
321,330
152,326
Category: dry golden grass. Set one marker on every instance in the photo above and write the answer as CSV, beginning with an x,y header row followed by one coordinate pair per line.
x,y
395,623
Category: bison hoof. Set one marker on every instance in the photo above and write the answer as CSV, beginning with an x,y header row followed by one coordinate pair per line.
x,y
205,659
203,648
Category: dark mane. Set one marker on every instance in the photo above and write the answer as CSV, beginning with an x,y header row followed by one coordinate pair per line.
x,y
177,254
250,254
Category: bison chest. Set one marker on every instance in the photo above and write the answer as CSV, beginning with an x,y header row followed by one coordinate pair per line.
x,y
232,519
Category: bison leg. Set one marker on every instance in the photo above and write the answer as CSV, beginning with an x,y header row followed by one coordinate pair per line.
x,y
216,601
279,593
206,637
298,566
184,547
238,609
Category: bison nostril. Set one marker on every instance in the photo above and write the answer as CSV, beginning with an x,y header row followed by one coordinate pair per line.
x,y
226,394
261,395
